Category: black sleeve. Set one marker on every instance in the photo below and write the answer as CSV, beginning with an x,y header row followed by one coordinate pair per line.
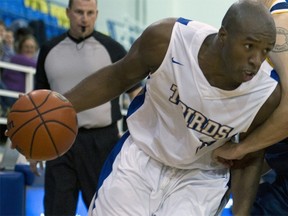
x,y
41,81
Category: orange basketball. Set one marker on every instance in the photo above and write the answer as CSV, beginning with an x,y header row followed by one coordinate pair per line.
x,y
42,125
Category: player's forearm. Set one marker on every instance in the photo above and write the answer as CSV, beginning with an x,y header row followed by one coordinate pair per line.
x,y
96,90
245,182
272,131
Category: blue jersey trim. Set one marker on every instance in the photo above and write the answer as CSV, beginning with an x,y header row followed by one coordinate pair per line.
x,y
136,103
279,6
107,167
275,75
183,20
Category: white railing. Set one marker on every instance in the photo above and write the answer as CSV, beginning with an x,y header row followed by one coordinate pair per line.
x,y
29,81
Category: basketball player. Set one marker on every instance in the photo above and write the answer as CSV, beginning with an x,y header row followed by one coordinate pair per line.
x,y
272,196
276,127
204,86
63,62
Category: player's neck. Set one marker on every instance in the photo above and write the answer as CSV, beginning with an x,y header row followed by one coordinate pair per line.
x,y
212,66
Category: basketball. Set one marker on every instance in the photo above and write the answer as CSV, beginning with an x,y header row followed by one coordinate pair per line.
x,y
42,125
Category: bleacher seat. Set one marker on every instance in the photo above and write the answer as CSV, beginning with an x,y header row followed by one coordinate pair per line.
x,y
12,196
53,15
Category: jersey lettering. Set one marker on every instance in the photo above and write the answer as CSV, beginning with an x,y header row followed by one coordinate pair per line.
x,y
204,144
199,122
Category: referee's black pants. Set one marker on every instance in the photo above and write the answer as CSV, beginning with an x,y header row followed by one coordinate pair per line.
x,y
77,170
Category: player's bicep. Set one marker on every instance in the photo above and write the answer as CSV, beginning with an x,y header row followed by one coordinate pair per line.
x,y
279,54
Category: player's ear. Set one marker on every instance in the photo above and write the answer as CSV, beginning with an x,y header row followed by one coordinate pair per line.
x,y
222,35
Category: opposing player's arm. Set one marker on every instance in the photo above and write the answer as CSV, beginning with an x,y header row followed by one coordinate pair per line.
x,y
246,172
144,57
279,55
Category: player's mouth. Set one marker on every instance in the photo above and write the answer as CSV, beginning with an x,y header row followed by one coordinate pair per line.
x,y
248,75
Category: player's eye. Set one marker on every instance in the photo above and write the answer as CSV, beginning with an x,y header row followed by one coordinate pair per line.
x,y
266,51
248,46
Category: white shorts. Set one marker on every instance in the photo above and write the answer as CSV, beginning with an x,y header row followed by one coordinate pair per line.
x,y
141,186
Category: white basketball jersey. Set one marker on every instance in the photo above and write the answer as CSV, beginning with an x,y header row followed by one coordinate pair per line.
x,y
182,118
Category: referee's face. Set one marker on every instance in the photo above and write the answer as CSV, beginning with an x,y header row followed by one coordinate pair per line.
x,y
82,15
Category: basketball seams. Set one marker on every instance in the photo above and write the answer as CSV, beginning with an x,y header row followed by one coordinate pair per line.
x,y
61,123
21,126
43,122
56,108
44,101
21,111
37,128
27,122
33,136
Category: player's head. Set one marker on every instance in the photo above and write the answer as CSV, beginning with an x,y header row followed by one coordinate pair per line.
x,y
82,15
246,36
2,30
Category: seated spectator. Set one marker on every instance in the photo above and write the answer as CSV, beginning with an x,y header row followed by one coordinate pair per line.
x,y
8,45
2,33
1,51
15,80
21,33
2,30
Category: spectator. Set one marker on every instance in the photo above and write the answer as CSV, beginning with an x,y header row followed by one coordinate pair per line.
x,y
15,80
8,45
20,33
26,56
2,33
2,30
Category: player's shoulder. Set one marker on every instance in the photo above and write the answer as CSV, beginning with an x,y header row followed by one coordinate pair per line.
x,y
160,28
157,35
279,6
267,70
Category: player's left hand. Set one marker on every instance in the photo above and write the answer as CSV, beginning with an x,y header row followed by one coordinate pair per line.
x,y
13,146
6,131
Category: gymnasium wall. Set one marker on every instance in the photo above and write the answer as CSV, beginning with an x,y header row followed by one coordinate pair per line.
x,y
144,12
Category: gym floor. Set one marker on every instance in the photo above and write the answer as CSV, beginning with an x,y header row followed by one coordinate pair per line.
x,y
34,202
